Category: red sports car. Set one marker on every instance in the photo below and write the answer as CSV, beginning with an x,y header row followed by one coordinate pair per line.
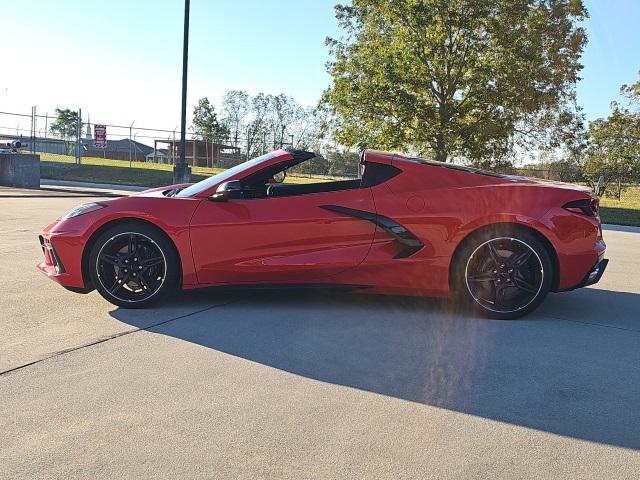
x,y
496,243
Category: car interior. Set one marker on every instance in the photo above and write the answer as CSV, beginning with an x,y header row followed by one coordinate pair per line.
x,y
262,185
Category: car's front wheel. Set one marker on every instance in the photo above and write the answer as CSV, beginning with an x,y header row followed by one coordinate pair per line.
x,y
503,274
133,265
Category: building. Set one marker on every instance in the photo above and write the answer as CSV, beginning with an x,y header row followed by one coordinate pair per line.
x,y
123,149
116,149
161,155
42,145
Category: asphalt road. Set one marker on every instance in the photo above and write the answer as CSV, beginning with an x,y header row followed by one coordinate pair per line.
x,y
314,385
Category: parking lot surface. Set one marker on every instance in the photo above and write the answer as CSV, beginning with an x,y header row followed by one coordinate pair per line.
x,y
310,385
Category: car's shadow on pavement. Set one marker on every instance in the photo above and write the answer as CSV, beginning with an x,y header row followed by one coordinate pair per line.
x,y
572,368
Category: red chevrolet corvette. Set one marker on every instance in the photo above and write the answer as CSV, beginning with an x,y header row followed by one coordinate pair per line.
x,y
496,243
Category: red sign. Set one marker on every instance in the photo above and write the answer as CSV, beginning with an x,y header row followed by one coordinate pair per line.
x,y
99,136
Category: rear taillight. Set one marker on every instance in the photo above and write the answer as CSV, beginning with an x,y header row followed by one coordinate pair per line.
x,y
587,206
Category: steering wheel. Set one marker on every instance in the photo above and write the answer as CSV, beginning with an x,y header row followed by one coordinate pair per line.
x,y
272,191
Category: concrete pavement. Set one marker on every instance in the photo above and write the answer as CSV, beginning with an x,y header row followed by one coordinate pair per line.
x,y
314,385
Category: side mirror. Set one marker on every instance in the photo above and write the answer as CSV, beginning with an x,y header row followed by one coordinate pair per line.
x,y
280,176
227,191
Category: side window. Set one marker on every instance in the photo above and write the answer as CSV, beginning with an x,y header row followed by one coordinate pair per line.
x,y
377,173
261,185
290,189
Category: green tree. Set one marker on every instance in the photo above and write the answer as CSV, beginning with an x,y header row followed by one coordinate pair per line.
x,y
306,129
614,150
65,124
259,127
283,112
455,78
205,123
315,166
235,108
343,163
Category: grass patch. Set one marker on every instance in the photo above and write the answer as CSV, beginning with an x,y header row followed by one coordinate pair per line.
x,y
141,174
117,172
620,216
141,177
623,212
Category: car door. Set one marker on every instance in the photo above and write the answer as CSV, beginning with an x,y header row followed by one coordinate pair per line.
x,y
289,239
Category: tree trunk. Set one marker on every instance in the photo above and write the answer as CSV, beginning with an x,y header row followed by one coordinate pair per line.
x,y
441,148
441,142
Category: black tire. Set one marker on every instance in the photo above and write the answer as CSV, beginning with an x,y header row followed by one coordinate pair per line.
x,y
133,265
504,272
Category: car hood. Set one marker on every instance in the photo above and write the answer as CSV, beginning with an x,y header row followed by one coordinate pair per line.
x,y
152,192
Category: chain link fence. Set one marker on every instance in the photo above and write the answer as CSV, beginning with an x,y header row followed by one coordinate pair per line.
x,y
140,155
619,192
149,153
610,184
132,143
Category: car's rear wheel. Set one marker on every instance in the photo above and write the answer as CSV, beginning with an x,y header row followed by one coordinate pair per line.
x,y
133,265
504,273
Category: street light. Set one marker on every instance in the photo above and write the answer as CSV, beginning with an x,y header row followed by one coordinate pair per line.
x,y
181,171
130,130
135,148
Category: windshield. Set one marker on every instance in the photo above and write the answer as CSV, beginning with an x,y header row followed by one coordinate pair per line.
x,y
207,183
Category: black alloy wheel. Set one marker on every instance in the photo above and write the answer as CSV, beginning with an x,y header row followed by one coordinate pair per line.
x,y
506,277
131,264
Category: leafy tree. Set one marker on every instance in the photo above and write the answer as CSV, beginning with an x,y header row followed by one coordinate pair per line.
x,y
455,78
65,124
283,112
259,127
315,166
318,165
306,129
564,169
264,122
343,163
235,108
205,123
614,151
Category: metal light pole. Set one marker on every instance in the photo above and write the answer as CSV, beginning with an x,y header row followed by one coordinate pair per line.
x,y
78,131
181,171
130,131
135,148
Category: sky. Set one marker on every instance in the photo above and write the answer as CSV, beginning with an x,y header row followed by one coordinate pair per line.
x,y
120,60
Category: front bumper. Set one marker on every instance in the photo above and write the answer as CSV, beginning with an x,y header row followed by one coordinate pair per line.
x,y
62,261
52,261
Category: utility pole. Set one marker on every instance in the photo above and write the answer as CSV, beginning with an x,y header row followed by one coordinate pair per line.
x,y
35,127
33,130
135,147
248,144
78,130
173,148
130,131
181,172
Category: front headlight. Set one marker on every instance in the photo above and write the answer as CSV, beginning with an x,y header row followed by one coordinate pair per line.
x,y
82,209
